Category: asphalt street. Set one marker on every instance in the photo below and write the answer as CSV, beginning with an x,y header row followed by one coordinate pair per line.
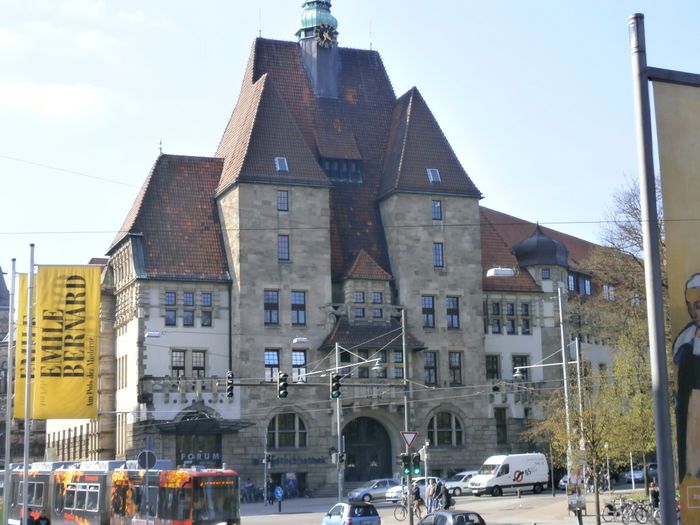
x,y
505,510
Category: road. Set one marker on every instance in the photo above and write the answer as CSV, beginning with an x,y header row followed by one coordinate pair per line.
x,y
543,509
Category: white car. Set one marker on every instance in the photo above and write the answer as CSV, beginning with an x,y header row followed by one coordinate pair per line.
x,y
459,483
638,476
563,482
394,493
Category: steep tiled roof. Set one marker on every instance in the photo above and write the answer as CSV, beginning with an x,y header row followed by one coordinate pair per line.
x,y
370,336
175,215
417,143
364,267
497,253
513,230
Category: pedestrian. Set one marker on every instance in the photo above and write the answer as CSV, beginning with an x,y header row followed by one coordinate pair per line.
x,y
417,500
430,494
30,517
654,495
269,489
43,518
248,489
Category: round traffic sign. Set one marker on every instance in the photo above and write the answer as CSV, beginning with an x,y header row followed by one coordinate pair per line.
x,y
147,459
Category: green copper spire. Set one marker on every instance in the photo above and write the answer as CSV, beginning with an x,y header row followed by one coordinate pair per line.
x,y
316,13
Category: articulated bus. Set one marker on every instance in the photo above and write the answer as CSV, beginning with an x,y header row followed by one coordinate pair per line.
x,y
112,493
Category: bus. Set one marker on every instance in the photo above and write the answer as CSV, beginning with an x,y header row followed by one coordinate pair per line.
x,y
117,493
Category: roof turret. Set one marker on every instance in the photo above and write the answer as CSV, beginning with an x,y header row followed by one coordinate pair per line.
x,y
541,249
316,13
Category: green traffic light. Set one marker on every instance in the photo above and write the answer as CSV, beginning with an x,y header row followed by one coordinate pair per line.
x,y
415,471
335,394
407,470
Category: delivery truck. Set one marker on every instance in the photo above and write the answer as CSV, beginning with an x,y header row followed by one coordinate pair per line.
x,y
511,473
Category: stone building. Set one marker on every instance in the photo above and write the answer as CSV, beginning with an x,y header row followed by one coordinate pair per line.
x,y
333,232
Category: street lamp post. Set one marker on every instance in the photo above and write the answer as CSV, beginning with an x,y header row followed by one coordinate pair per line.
x,y
607,465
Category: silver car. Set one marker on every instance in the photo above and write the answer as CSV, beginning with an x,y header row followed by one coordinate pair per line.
x,y
372,490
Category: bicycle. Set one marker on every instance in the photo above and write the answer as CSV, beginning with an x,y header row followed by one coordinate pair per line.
x,y
401,510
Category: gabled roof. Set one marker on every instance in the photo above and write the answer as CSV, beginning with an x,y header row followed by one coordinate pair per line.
x,y
370,336
513,230
175,217
260,129
4,293
416,143
364,267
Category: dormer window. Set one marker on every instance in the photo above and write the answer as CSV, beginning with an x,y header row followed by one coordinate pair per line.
x,y
281,164
433,175
342,169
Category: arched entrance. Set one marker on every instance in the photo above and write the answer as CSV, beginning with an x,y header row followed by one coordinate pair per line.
x,y
367,450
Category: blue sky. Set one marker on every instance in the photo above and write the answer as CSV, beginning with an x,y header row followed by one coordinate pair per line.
x,y
534,97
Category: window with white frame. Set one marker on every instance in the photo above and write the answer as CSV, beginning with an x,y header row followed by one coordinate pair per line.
x,y
445,429
177,363
272,364
199,363
286,431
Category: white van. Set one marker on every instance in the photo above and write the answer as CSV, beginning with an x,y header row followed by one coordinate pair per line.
x,y
511,472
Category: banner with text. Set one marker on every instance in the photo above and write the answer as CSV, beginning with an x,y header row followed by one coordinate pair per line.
x,y
67,342
21,347
677,110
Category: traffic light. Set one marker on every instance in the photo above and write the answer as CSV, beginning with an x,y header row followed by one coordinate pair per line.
x,y
229,384
341,457
406,463
282,385
335,386
416,463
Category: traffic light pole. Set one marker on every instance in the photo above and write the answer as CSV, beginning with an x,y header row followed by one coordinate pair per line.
x,y
338,407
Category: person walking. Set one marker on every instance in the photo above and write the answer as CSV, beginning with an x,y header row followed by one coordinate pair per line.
x,y
430,495
43,518
654,495
417,500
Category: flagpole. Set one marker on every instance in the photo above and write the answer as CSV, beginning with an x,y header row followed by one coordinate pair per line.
x,y
652,271
8,393
27,381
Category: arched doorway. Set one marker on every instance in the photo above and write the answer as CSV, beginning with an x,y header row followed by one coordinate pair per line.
x,y
367,450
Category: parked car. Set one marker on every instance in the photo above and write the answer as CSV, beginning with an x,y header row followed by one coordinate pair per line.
x,y
459,483
563,482
453,517
638,476
394,493
372,490
652,471
356,513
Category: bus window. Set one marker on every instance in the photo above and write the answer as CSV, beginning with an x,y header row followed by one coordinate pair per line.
x,y
93,498
80,496
174,504
69,500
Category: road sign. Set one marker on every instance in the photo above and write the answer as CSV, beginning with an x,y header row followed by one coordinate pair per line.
x,y
409,437
147,459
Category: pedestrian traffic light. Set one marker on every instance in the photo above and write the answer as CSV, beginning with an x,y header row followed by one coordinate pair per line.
x,y
341,457
229,384
282,385
406,463
335,386
416,463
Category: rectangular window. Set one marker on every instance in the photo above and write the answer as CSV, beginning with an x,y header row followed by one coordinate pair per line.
x,y
359,312
283,247
587,286
510,308
496,326
525,309
430,368
170,317
206,318
377,298
433,175
452,304
496,308
572,283
398,372
501,425
188,318
608,292
170,298
206,299
282,200
428,311
493,367
438,256
377,313
198,363
358,297
299,366
177,363
281,164
455,361
272,307
526,327
398,356
545,274
188,298
272,365
298,308
521,361
437,210
510,326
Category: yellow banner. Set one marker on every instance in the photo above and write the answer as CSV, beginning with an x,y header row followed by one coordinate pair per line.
x,y
678,131
21,348
67,342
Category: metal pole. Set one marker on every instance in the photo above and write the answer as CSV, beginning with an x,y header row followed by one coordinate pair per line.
x,y
337,429
8,395
652,271
404,356
566,384
27,382
607,467
580,395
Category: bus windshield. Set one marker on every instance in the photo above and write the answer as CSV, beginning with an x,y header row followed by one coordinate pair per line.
x,y
214,499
